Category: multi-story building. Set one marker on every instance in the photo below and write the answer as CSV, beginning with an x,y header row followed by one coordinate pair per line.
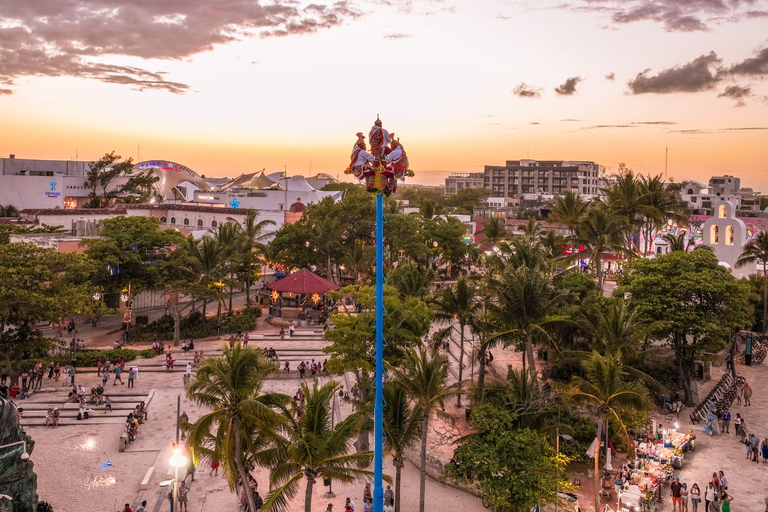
x,y
459,181
703,199
524,179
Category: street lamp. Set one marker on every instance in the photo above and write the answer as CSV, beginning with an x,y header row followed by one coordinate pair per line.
x,y
178,460
24,454
565,437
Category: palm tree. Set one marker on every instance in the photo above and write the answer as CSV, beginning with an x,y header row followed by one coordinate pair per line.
x,y
359,259
494,231
625,199
208,258
423,377
601,230
461,303
326,240
8,211
606,390
757,252
411,280
226,235
568,209
677,242
402,426
658,205
612,326
527,301
311,448
230,386
249,244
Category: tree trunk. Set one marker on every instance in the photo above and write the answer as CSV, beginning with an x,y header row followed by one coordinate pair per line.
x,y
176,330
229,310
598,269
238,455
398,462
423,462
481,368
531,358
205,307
247,282
597,465
765,299
363,443
328,271
308,492
461,363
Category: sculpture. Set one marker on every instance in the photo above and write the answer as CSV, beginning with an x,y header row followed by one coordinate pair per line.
x,y
17,479
384,165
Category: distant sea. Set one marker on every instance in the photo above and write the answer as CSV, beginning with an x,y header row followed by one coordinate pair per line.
x,y
433,178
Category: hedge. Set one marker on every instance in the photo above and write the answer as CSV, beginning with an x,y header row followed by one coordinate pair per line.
x,y
195,326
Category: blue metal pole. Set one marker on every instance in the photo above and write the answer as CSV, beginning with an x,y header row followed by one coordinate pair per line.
x,y
378,413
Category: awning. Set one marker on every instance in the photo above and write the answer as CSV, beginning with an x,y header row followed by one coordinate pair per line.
x,y
303,281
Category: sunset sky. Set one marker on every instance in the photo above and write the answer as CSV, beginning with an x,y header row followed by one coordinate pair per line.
x,y
231,86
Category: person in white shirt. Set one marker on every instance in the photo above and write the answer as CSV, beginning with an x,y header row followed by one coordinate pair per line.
x,y
143,507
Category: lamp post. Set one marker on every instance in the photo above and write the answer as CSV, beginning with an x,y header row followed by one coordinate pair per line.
x,y
178,460
24,454
557,449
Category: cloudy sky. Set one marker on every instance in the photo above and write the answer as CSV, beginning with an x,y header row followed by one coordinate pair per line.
x,y
230,86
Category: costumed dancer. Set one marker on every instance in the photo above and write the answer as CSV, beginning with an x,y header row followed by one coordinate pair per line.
x,y
360,160
379,139
397,161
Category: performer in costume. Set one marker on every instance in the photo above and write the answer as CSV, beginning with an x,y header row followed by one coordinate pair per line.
x,y
379,139
360,160
397,163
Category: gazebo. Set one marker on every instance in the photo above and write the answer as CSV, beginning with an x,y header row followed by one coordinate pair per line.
x,y
303,282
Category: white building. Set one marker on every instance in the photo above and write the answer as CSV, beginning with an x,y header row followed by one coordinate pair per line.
x,y
727,235
703,199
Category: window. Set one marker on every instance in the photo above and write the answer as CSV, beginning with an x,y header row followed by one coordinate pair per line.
x,y
173,220
729,235
690,191
714,233
163,220
199,223
214,224
721,211
186,222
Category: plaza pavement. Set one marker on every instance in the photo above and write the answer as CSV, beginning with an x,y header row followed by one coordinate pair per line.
x,y
71,461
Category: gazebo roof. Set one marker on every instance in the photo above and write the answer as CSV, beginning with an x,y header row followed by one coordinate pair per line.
x,y
303,281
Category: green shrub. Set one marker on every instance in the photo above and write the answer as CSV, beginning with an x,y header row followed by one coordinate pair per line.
x,y
148,353
91,357
194,326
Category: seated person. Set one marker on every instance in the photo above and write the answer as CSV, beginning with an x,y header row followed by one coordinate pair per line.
x,y
49,417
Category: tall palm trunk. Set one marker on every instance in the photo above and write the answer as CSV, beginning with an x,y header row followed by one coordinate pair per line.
x,y
598,269
529,354
398,462
205,307
481,368
765,298
461,362
229,309
248,288
308,492
423,463
597,465
238,455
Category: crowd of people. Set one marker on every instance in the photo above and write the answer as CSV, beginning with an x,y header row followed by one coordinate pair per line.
x,y
350,506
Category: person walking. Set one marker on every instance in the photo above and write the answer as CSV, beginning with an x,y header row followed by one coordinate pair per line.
x,y
674,491
246,338
72,373
118,375
39,384
726,421
170,497
755,447
695,497
183,499
684,498
723,481
131,376
709,496
739,393
747,394
726,498
764,449
291,328
143,507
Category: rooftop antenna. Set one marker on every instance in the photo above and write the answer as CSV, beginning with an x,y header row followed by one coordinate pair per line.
x,y
666,161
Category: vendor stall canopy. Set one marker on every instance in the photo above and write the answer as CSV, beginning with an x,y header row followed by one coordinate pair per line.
x,y
303,281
